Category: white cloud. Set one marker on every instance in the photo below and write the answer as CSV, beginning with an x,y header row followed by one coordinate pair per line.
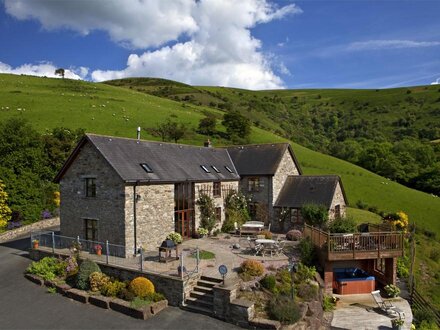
x,y
135,23
389,44
44,69
436,82
211,41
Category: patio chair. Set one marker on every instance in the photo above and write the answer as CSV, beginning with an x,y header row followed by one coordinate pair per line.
x,y
387,306
280,247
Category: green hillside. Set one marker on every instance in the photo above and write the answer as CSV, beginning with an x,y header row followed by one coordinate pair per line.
x,y
105,109
386,131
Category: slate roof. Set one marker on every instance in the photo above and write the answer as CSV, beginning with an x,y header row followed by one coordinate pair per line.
x,y
304,189
169,162
259,159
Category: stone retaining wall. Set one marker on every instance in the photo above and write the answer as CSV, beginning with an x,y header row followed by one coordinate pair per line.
x,y
42,224
171,287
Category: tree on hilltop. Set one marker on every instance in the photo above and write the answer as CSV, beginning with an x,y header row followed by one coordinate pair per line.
x,y
60,72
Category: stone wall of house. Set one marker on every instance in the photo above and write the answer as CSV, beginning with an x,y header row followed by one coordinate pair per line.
x,y
108,205
338,199
285,168
154,215
219,201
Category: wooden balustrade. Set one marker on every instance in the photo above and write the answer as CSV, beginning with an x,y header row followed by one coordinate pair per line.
x,y
370,245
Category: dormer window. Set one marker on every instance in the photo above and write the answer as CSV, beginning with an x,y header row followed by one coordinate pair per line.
x,y
204,168
90,187
146,167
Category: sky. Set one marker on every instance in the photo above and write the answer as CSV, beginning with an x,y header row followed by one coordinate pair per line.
x,y
251,44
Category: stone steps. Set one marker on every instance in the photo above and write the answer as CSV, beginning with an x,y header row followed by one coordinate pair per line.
x,y
201,298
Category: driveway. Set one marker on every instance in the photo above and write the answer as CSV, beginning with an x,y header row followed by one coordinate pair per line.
x,y
24,305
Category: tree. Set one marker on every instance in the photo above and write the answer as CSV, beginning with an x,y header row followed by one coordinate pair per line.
x,y
236,125
169,130
207,125
315,214
60,72
5,211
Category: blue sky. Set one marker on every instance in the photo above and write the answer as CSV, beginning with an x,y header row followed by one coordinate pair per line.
x,y
252,44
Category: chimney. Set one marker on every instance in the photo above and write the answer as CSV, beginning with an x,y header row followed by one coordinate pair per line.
x,y
138,133
208,144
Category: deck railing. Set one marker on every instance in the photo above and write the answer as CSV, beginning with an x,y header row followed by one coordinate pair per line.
x,y
369,245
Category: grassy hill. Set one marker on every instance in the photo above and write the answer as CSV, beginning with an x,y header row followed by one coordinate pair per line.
x,y
110,109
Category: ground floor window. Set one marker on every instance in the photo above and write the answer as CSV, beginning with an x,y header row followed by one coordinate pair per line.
x,y
294,216
91,229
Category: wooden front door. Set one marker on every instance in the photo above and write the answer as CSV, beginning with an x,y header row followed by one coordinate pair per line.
x,y
184,208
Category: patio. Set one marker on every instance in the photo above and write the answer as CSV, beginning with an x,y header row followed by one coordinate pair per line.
x,y
360,311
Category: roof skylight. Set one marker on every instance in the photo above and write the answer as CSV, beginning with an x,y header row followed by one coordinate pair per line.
x,y
215,169
147,168
229,169
205,168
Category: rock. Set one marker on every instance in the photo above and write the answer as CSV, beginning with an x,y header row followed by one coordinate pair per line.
x,y
236,246
78,295
100,301
34,278
303,308
260,323
315,309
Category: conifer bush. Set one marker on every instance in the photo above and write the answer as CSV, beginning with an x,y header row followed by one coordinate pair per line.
x,y
252,268
87,267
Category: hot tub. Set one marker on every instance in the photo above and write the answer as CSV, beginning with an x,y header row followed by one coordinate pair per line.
x,y
352,281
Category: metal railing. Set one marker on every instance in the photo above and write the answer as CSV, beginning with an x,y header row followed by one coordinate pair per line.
x,y
116,255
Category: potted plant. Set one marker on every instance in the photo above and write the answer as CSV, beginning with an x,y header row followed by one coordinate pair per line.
x,y
392,290
35,243
98,249
175,237
397,323
181,270
202,232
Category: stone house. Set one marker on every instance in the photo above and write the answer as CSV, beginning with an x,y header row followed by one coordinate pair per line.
x,y
133,192
271,177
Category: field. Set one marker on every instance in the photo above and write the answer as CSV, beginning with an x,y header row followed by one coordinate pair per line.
x,y
112,110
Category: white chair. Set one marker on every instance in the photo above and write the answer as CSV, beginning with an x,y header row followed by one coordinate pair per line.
x,y
387,306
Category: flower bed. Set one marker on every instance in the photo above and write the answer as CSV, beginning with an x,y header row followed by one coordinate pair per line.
x,y
85,283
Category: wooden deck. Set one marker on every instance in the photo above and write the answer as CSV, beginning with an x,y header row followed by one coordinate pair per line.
x,y
355,246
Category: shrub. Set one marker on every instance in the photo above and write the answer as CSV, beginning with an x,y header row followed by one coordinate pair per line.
x,y
97,281
113,289
71,266
155,296
126,294
283,309
308,291
304,273
268,282
402,267
307,251
294,235
343,225
361,205
315,214
434,255
175,237
328,303
48,268
252,267
392,290
267,234
141,287
87,267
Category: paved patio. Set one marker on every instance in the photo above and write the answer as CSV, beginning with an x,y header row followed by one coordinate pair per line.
x,y
360,311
